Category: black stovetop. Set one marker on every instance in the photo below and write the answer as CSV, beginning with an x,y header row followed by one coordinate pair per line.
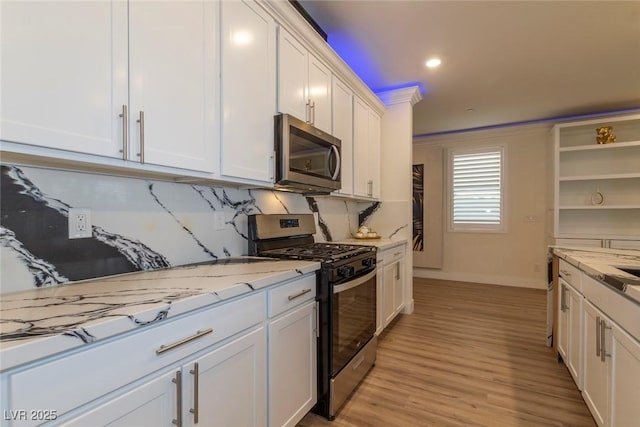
x,y
318,251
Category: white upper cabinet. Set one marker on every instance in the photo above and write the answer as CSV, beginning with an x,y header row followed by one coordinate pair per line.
x,y
127,80
342,111
64,75
172,83
304,83
366,149
248,91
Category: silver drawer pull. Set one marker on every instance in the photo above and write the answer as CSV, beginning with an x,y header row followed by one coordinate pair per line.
x,y
165,348
397,253
299,294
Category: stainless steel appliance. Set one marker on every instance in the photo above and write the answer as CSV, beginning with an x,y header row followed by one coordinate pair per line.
x,y
307,159
346,298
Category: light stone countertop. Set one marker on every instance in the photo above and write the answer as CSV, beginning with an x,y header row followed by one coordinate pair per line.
x,y
45,321
381,243
598,262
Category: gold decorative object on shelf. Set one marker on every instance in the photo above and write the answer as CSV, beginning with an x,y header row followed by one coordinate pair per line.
x,y
604,135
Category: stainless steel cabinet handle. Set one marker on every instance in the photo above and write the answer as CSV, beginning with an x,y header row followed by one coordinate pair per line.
x,y
603,339
308,111
313,112
397,254
565,273
316,309
141,121
562,298
196,374
165,348
397,271
125,133
272,166
598,331
178,382
299,294
370,188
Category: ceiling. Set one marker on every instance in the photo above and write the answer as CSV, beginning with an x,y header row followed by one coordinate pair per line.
x,y
503,62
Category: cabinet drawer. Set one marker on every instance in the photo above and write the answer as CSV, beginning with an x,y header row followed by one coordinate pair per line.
x,y
89,373
391,255
570,274
292,294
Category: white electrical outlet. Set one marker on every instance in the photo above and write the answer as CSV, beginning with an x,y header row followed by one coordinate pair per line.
x,y
80,226
219,220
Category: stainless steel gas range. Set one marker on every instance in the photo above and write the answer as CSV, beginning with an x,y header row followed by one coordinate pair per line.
x,y
346,295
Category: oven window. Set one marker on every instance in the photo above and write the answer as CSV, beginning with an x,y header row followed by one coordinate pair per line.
x,y
354,321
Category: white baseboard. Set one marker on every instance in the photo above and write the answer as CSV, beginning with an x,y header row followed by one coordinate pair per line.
x,y
408,307
519,282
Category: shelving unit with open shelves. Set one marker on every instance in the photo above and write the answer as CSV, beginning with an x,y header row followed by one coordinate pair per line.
x,y
597,186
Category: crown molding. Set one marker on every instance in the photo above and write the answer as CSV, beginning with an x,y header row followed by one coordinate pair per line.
x,y
400,96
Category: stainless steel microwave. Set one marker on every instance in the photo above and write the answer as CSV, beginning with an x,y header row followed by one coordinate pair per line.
x,y
307,159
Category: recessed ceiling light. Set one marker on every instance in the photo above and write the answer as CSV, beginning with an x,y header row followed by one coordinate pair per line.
x,y
433,62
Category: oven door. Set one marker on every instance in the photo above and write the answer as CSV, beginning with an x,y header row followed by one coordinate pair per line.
x,y
354,318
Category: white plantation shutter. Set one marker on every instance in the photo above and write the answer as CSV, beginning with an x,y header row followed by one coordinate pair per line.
x,y
476,189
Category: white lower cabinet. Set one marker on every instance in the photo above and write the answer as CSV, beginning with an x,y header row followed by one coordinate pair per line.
x,y
225,387
292,353
390,285
596,371
151,404
611,371
247,362
570,330
625,379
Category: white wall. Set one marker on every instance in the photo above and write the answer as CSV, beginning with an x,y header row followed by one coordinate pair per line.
x,y
518,256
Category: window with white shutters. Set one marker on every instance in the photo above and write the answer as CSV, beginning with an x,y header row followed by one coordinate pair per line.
x,y
477,189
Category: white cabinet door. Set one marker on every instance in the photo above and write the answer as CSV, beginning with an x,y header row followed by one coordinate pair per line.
x,y
574,358
64,74
563,321
360,147
232,384
152,404
342,111
319,94
374,153
625,403
388,281
398,287
595,389
292,76
304,83
292,366
366,148
248,91
172,83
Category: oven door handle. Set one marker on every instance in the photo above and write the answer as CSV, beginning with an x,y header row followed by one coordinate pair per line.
x,y
353,283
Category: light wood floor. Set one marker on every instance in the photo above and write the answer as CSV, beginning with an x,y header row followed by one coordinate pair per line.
x,y
470,355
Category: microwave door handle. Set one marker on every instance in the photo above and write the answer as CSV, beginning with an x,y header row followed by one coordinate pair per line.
x,y
335,150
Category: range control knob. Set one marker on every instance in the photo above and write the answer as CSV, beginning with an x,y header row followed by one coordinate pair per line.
x,y
346,271
368,262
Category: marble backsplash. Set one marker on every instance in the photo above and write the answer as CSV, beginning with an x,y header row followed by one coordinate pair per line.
x,y
141,224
